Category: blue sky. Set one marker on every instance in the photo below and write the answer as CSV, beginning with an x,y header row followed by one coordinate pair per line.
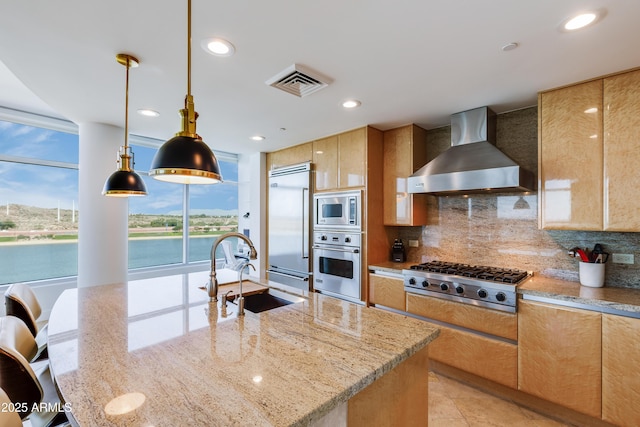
x,y
51,187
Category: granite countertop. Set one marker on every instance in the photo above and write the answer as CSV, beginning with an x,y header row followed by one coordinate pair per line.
x,y
156,352
616,300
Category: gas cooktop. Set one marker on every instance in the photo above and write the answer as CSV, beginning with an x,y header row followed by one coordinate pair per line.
x,y
483,286
506,275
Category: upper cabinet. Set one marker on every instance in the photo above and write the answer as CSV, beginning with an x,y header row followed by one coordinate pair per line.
x,y
290,156
587,152
340,161
621,155
405,151
325,163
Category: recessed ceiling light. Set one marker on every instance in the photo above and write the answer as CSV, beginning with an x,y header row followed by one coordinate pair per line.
x,y
218,47
351,103
580,21
510,46
148,113
258,138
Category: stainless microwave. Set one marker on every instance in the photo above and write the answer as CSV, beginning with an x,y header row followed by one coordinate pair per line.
x,y
340,210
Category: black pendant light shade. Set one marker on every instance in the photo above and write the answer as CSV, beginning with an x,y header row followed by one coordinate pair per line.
x,y
125,182
186,160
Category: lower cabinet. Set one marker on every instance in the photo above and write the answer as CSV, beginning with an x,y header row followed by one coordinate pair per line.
x,y
387,291
493,358
560,355
620,373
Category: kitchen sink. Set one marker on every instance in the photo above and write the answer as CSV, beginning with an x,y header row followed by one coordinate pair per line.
x,y
257,303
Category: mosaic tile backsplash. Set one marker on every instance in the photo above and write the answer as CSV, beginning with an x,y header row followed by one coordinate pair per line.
x,y
502,229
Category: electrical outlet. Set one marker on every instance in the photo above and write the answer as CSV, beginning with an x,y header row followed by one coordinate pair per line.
x,y
413,243
622,258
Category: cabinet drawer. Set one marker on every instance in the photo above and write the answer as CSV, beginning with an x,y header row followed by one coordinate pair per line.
x,y
468,316
488,358
387,291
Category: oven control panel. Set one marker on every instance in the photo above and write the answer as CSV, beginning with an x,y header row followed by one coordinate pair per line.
x,y
336,238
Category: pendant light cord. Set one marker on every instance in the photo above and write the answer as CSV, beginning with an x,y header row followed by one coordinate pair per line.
x,y
188,47
126,109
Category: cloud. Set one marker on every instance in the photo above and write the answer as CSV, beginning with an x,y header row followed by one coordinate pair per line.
x,y
22,130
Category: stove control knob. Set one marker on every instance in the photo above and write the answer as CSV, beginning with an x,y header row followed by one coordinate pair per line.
x,y
425,284
444,286
323,237
459,289
500,296
412,281
482,293
347,239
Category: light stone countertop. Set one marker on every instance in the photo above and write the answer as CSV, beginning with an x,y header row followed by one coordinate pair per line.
x,y
608,299
159,344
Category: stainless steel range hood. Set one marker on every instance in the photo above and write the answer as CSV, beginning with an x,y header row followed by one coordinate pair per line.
x,y
472,164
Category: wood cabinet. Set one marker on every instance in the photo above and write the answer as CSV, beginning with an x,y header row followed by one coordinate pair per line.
x,y
405,151
559,355
325,162
621,155
570,155
341,160
290,156
387,291
472,349
588,155
352,159
620,375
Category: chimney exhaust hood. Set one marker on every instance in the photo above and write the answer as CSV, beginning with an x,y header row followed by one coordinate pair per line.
x,y
472,164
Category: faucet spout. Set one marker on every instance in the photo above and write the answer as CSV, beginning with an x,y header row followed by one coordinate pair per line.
x,y
212,284
240,297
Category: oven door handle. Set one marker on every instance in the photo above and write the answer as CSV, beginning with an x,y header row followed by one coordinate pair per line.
x,y
302,279
328,248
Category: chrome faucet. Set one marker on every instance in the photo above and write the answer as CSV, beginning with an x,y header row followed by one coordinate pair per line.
x,y
240,297
212,285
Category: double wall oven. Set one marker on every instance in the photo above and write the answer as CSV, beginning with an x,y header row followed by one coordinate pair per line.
x,y
337,244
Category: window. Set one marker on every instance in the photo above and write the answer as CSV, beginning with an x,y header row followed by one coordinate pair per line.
x,y
156,222
38,203
39,199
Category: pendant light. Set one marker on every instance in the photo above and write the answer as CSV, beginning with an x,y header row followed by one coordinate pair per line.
x,y
185,158
125,182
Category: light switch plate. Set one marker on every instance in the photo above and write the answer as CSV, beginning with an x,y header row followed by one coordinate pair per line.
x,y
622,258
413,243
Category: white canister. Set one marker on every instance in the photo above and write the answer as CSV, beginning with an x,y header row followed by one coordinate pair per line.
x,y
592,274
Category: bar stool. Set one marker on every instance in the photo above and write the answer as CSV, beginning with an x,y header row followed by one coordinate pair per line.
x,y
8,418
15,333
20,301
27,388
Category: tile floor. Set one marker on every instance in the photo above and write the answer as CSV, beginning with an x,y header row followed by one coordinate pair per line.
x,y
453,404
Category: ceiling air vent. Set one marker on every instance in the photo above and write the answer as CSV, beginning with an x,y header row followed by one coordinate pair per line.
x,y
298,80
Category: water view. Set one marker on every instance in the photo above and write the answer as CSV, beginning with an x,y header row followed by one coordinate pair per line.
x,y
25,262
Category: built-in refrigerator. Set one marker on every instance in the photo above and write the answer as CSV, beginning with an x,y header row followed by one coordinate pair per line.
x,y
289,226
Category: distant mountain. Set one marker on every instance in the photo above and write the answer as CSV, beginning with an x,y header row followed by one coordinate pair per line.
x,y
208,212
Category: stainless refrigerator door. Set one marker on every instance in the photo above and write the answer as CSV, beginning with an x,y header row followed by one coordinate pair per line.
x,y
289,223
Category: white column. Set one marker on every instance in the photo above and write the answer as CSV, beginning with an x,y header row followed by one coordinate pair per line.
x,y
252,199
102,221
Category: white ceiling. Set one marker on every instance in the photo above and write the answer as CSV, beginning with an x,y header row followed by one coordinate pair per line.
x,y
407,61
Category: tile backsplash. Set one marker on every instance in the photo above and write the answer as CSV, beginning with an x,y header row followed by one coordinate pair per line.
x,y
501,229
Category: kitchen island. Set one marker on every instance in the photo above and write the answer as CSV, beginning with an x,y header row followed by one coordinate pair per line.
x,y
156,352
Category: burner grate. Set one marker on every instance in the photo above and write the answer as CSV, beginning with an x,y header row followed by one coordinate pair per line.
x,y
495,274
